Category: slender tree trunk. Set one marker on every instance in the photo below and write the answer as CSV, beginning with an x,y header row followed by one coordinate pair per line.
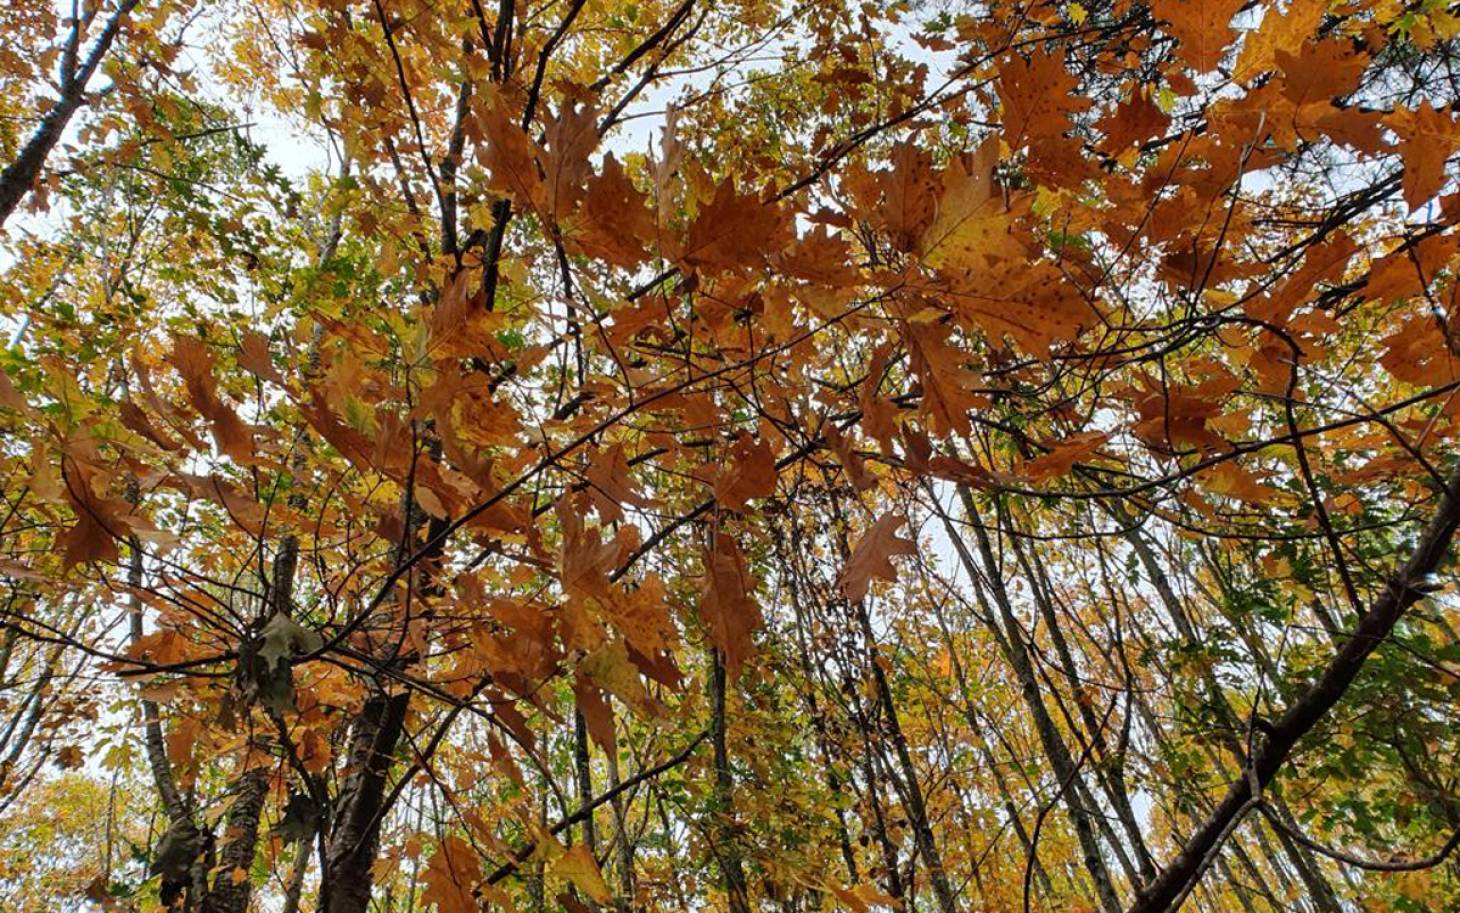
x,y
584,775
19,177
727,842
1319,892
908,785
814,710
1406,586
1111,781
895,885
1061,761
623,842
294,890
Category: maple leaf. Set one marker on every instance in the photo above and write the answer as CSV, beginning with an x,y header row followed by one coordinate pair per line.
x,y
852,462
586,560
1320,71
909,195
1181,416
253,356
819,257
609,667
100,518
864,898
872,556
1279,29
642,616
879,415
596,710
1135,120
1233,481
1404,272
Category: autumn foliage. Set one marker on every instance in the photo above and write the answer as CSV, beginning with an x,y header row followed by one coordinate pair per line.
x,y
682,455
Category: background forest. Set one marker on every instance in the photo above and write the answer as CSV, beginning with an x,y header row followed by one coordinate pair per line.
x,y
737,455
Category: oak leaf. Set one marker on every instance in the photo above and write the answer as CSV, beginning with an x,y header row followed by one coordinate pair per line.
x,y
614,223
749,472
727,603
1202,28
1427,139
1038,96
732,231
578,866
195,363
452,877
872,557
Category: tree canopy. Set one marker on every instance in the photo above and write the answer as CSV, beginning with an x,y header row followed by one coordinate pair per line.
x,y
678,455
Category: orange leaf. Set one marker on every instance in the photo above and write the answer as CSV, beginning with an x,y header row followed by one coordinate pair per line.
x,y
1202,28
749,473
452,876
1063,455
195,363
614,224
733,230
1427,138
608,474
510,155
1038,96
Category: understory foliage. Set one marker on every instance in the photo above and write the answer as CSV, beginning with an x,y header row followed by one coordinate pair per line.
x,y
678,455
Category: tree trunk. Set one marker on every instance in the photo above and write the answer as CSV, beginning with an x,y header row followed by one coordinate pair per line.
x,y
1063,764
727,843
230,894
1408,585
346,883
20,175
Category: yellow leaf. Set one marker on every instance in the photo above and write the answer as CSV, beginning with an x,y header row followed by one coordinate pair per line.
x,y
578,866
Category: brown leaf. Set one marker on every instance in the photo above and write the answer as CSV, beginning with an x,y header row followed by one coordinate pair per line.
x,y
194,361
749,472
1038,96
509,154
614,223
611,486
1063,455
727,602
872,557
253,356
1428,138
733,231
